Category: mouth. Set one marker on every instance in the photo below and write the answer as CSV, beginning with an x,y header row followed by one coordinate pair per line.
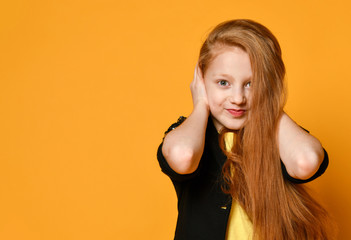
x,y
236,112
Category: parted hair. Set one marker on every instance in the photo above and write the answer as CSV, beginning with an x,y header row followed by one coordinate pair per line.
x,y
277,208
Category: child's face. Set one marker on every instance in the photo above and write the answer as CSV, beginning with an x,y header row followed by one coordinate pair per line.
x,y
227,82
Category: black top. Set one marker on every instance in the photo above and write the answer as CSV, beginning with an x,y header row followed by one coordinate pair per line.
x,y
203,209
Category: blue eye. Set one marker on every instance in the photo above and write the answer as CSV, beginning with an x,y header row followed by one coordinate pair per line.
x,y
248,84
223,83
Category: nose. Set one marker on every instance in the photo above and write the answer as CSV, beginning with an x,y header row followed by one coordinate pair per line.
x,y
237,96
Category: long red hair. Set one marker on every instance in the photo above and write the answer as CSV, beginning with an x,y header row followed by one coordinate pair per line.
x,y
277,208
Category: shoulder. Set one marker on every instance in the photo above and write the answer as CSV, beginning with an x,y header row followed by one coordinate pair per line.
x,y
180,120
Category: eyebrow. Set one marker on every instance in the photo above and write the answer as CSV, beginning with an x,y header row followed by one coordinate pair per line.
x,y
222,75
229,76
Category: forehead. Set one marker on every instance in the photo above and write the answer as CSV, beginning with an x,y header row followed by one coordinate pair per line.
x,y
232,61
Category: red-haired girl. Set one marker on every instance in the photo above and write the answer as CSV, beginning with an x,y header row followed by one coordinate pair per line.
x,y
238,161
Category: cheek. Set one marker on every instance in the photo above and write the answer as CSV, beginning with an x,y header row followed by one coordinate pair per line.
x,y
215,97
249,99
214,101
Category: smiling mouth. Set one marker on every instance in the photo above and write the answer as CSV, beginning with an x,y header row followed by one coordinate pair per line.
x,y
236,112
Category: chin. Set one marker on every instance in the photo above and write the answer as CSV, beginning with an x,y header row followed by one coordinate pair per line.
x,y
234,124
234,128
229,123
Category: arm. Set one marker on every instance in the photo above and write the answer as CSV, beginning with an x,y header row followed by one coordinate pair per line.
x,y
300,152
183,146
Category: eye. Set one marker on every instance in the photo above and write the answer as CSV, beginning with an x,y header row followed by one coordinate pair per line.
x,y
248,84
223,83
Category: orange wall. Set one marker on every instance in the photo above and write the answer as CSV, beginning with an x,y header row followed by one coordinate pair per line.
x,y
87,89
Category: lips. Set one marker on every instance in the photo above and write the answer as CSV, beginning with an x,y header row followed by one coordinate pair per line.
x,y
236,112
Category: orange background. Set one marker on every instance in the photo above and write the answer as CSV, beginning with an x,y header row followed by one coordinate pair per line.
x,y
87,89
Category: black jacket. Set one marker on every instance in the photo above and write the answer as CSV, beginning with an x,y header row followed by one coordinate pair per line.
x,y
203,209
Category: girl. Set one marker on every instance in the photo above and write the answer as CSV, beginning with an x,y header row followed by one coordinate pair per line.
x,y
238,160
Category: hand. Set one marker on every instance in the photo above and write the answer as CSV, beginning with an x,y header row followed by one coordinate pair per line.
x,y
198,90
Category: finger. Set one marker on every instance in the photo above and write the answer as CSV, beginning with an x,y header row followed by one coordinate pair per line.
x,y
196,71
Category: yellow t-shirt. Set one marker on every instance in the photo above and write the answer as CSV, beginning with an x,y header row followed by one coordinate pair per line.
x,y
239,225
